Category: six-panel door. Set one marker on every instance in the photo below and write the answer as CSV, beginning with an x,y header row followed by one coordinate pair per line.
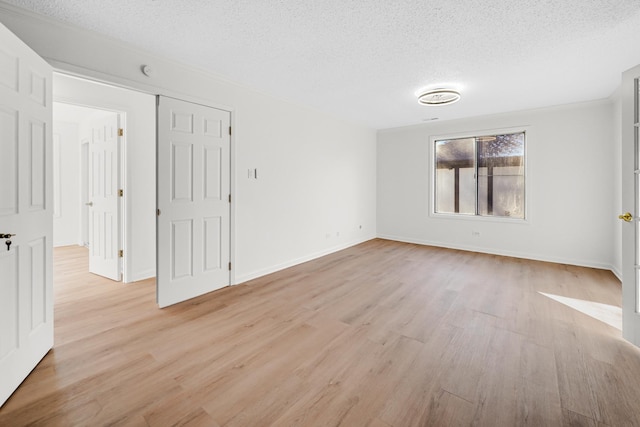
x,y
26,210
104,184
193,200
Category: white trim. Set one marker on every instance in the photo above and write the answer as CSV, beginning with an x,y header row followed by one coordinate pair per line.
x,y
232,205
534,257
263,272
142,275
616,272
469,217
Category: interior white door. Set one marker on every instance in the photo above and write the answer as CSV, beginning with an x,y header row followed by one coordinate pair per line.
x,y
26,274
104,200
631,205
193,193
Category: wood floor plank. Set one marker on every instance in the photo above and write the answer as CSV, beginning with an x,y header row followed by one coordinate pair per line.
x,y
177,409
446,409
407,405
382,334
537,392
571,419
386,371
575,386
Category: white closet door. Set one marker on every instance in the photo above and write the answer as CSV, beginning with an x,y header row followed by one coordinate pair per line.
x,y
193,200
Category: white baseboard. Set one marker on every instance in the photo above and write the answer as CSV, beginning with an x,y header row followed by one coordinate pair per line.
x,y
141,275
263,272
616,272
535,257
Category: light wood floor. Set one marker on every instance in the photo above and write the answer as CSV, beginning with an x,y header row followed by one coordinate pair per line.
x,y
381,334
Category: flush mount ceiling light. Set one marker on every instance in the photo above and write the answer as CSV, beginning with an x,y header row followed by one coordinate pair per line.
x,y
439,97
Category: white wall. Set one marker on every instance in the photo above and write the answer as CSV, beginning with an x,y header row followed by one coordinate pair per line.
x,y
316,173
66,191
570,156
315,186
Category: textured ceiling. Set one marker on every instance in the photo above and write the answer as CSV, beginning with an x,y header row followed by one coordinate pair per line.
x,y
365,60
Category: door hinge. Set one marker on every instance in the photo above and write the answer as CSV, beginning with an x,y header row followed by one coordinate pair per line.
x,y
229,130
120,132
229,266
229,198
158,212
121,253
121,192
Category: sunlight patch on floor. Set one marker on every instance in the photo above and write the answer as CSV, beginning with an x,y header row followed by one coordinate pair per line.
x,y
609,314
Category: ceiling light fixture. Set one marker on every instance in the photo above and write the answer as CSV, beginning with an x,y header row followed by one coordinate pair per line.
x,y
439,97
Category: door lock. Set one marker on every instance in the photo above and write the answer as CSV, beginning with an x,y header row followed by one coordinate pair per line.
x,y
8,237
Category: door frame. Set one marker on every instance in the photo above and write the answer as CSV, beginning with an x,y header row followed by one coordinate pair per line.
x,y
150,89
122,218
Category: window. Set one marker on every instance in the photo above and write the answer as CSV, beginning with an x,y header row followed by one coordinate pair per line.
x,y
480,175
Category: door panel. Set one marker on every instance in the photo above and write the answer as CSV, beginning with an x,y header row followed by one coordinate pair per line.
x,y
26,210
193,189
631,203
104,218
9,171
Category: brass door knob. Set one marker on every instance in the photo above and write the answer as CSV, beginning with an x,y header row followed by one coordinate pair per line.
x,y
626,217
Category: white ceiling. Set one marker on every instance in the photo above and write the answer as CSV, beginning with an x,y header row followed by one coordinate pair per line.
x,y
365,60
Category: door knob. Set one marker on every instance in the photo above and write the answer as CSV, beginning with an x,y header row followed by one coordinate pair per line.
x,y
89,204
626,217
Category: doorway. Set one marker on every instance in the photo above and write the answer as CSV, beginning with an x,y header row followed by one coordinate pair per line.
x,y
86,184
136,173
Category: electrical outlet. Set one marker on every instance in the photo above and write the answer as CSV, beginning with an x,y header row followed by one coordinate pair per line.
x,y
475,233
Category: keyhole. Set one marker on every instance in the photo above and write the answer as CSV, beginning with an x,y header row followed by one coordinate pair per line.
x,y
8,243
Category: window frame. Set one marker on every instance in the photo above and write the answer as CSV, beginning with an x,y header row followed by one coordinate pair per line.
x,y
478,134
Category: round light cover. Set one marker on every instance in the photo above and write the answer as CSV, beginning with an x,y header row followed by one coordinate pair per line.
x,y
439,97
